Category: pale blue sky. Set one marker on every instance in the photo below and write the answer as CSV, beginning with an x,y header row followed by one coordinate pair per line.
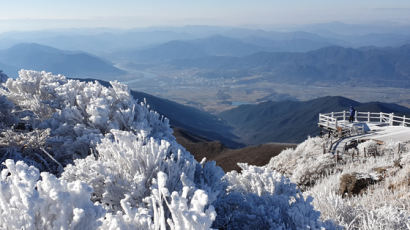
x,y
39,14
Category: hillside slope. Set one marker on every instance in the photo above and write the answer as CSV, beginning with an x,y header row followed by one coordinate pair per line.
x,y
292,121
227,158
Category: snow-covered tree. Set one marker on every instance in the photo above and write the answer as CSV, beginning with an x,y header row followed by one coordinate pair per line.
x,y
30,200
123,168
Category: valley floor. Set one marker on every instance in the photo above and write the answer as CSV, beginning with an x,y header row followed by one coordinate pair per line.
x,y
220,94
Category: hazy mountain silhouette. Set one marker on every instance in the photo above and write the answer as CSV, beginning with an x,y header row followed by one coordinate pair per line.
x,y
292,121
39,57
365,66
187,49
218,45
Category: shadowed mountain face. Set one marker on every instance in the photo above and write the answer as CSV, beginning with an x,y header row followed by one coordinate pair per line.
x,y
39,57
365,66
292,121
195,121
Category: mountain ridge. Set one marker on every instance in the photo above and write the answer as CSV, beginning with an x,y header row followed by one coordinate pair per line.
x,y
70,63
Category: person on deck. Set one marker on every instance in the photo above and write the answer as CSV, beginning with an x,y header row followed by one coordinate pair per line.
x,y
352,113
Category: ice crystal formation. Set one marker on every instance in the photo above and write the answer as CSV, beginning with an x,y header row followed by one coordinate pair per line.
x,y
79,155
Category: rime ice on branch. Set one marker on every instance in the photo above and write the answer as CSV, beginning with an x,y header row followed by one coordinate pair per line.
x,y
127,171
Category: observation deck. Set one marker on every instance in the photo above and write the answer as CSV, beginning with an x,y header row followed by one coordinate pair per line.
x,y
380,127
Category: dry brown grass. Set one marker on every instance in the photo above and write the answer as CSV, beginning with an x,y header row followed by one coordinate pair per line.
x,y
227,158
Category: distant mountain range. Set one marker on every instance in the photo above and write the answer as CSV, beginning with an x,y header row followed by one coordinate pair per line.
x,y
365,66
218,52
292,121
39,57
103,41
218,45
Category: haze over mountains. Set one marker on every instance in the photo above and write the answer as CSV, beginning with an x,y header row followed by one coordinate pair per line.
x,y
218,57
102,41
218,68
370,65
70,63
218,45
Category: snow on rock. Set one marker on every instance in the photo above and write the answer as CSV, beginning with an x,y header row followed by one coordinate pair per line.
x,y
123,168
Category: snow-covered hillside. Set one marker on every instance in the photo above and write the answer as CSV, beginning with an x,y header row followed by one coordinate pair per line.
x,y
367,188
80,155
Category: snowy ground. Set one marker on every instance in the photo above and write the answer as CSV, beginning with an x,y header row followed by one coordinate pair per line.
x,y
389,133
383,204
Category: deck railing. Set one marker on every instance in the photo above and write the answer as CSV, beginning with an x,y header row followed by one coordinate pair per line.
x,y
340,119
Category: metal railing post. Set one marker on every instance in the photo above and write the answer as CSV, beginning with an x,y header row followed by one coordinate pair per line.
x,y
368,116
391,119
344,115
404,120
355,116
332,115
381,117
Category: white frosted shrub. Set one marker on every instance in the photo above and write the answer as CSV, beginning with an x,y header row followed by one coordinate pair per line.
x,y
169,211
123,175
260,198
385,205
6,116
78,113
25,146
368,146
30,202
185,213
304,164
127,170
125,165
